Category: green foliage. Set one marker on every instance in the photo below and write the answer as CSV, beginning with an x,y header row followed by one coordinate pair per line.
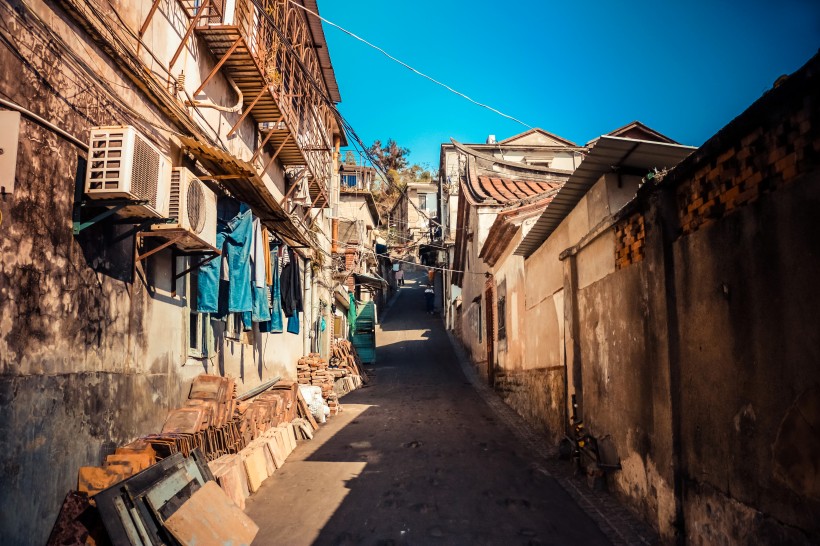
x,y
350,158
392,159
389,156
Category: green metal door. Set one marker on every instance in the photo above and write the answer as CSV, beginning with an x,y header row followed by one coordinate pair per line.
x,y
364,333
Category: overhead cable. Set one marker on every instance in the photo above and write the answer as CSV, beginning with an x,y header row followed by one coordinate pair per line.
x,y
402,63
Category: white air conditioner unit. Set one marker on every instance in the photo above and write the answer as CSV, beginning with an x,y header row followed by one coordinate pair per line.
x,y
193,205
123,164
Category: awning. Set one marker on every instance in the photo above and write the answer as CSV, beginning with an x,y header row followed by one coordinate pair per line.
x,y
243,183
373,281
608,154
341,296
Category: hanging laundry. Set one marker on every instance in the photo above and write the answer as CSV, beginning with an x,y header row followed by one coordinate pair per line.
x,y
259,247
238,246
260,256
291,287
293,323
268,262
210,274
276,293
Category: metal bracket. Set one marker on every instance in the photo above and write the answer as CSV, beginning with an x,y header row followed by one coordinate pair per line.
x,y
211,255
115,204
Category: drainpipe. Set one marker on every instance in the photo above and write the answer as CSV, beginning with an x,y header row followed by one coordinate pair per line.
x,y
334,222
572,348
207,104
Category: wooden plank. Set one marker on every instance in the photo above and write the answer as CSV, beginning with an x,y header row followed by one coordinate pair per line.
x,y
255,467
210,517
303,408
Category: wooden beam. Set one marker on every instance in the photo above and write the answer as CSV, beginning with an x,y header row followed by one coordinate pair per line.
x,y
217,67
248,110
188,32
222,177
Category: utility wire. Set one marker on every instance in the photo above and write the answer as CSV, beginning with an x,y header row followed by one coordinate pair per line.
x,y
405,65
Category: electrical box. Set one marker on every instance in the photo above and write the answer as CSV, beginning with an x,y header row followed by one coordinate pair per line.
x,y
9,138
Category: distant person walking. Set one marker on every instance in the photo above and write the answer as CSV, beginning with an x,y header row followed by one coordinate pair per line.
x,y
429,298
431,275
400,277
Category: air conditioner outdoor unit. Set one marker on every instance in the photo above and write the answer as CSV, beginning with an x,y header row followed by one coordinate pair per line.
x,y
193,205
123,164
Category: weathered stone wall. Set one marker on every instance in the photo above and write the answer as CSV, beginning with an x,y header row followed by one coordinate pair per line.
x,y
729,261
746,270
89,359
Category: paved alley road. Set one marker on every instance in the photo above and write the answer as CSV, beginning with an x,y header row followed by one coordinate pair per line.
x,y
418,457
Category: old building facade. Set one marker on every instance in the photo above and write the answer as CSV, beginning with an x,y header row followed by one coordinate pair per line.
x,y
668,333
101,332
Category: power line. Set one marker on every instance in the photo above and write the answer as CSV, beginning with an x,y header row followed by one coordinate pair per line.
x,y
405,65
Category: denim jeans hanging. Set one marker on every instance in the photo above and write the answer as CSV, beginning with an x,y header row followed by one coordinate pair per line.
x,y
238,239
233,238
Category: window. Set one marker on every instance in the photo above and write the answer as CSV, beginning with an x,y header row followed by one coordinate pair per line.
x,y
349,180
427,203
501,299
197,328
233,326
197,322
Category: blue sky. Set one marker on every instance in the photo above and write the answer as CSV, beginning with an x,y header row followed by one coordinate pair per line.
x,y
575,69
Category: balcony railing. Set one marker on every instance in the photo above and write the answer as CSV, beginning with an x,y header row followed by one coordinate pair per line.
x,y
270,55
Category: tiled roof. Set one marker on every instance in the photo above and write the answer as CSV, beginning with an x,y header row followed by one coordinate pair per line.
x,y
505,227
505,190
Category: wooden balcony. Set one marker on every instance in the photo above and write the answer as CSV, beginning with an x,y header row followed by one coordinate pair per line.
x,y
279,75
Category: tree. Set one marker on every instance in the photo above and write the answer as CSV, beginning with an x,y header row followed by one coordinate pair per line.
x,y
390,156
350,158
391,159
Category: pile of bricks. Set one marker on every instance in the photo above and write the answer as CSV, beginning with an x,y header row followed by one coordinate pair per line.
x,y
319,374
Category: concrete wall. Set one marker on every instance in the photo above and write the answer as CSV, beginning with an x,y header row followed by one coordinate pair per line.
x,y
690,329
89,359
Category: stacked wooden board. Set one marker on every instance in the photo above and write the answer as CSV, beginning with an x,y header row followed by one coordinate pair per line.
x,y
241,474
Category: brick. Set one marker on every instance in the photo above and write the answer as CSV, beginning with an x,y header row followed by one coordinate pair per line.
x,y
786,161
730,195
789,173
726,155
751,137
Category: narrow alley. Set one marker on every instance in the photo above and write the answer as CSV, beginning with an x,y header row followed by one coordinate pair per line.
x,y
297,272
417,458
